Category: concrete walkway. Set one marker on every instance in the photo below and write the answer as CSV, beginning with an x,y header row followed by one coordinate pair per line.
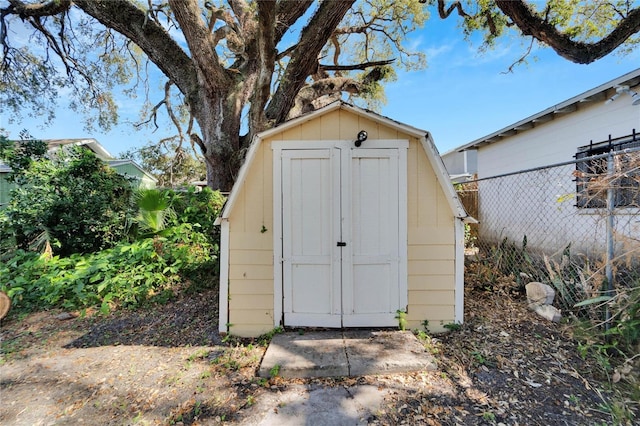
x,y
344,353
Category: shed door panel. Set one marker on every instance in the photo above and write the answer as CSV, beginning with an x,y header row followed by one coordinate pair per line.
x,y
309,216
371,297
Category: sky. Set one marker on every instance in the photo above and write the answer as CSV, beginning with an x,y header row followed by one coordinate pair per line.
x,y
461,96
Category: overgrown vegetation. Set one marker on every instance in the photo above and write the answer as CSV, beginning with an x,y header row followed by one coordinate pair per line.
x,y
168,162
69,200
102,244
607,326
125,275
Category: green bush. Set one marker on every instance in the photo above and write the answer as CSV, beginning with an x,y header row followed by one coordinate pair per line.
x,y
126,275
200,207
72,200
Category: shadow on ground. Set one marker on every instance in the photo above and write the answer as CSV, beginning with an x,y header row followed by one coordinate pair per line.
x,y
184,322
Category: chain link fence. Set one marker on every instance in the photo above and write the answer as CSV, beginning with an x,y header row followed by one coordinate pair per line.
x,y
574,226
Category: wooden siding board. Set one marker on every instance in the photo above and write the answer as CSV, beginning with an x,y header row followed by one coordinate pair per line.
x,y
349,125
236,219
252,257
264,287
432,297
430,312
431,267
292,134
330,125
385,132
267,186
262,317
250,240
431,282
433,252
311,130
412,185
250,272
436,325
443,212
250,301
431,235
250,330
371,127
253,195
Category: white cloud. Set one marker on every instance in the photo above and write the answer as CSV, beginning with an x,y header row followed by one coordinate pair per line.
x,y
435,52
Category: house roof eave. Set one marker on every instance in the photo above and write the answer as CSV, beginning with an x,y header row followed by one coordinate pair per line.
x,y
597,94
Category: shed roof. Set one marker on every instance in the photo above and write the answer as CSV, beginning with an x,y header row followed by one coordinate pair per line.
x,y
597,94
423,136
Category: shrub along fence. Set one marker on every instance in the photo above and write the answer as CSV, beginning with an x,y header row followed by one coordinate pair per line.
x,y
574,226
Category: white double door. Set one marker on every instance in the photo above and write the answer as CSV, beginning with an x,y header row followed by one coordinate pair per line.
x,y
343,216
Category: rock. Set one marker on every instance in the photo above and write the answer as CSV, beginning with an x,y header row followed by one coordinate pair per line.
x,y
66,316
539,294
547,311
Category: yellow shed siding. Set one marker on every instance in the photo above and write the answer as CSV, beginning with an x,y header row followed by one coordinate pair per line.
x,y
251,252
338,125
431,245
431,234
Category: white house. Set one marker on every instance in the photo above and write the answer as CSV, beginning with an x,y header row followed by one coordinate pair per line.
x,y
461,165
595,122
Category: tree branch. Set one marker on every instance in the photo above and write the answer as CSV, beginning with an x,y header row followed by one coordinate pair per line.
x,y
26,10
445,13
304,59
361,66
266,55
288,12
152,38
309,97
530,23
211,75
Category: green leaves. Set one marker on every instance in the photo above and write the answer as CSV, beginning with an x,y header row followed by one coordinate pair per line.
x,y
73,199
126,275
129,273
154,210
20,155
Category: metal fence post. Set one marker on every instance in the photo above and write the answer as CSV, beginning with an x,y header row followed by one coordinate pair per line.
x,y
610,247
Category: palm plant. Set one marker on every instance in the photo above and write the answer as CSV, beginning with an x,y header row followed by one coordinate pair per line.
x,y
154,211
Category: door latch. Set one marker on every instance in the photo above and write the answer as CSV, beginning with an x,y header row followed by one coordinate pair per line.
x,y
342,244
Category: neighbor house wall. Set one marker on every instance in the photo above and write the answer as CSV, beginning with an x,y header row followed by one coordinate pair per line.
x,y
128,170
5,189
431,280
557,140
502,214
461,163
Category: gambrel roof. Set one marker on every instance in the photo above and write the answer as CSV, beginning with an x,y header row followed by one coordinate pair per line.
x,y
423,136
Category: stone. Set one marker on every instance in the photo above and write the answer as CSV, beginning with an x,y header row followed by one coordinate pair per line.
x,y
66,316
548,312
540,294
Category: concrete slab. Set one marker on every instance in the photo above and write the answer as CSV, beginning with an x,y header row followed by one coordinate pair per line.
x,y
316,405
344,353
385,352
318,354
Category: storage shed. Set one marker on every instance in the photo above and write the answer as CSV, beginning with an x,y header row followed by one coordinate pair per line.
x,y
340,218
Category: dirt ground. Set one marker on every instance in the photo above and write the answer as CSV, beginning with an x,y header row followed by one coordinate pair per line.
x,y
168,365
